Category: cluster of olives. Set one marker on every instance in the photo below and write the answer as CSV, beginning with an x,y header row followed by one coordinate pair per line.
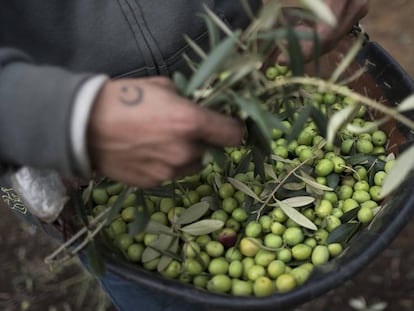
x,y
260,250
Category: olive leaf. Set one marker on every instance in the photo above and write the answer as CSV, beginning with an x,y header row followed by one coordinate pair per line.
x,y
347,60
87,192
293,186
343,232
296,216
196,48
218,21
338,120
155,249
321,11
141,218
213,31
180,82
217,155
118,204
298,124
296,60
402,167
167,257
243,188
312,182
332,180
367,128
95,260
269,171
299,201
204,226
406,104
149,254
193,213
350,215
157,228
212,64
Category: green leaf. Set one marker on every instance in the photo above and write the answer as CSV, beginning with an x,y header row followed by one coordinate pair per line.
x,y
313,183
213,31
168,256
296,216
140,222
299,201
321,11
244,163
247,9
332,180
212,64
243,188
282,33
218,21
338,120
149,254
193,213
404,164
156,248
94,259
293,186
343,232
406,104
217,155
118,204
204,226
368,128
80,205
296,61
347,60
297,127
157,228
320,119
87,192
350,215
259,160
180,82
196,48
250,107
269,171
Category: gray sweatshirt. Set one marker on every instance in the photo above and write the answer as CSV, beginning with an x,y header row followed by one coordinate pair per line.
x,y
49,48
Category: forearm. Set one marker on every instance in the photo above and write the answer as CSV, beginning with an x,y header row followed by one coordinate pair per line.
x,y
36,105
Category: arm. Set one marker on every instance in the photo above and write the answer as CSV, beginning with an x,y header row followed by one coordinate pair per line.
x,y
138,131
347,12
142,133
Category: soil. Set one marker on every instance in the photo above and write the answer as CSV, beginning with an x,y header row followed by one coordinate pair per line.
x,y
27,283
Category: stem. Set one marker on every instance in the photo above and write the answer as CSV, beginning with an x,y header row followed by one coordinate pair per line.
x,y
272,194
85,230
344,91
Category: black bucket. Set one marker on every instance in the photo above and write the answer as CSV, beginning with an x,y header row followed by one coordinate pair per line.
x,y
385,79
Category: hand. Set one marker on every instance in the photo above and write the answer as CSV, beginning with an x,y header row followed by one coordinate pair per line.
x,y
142,133
347,12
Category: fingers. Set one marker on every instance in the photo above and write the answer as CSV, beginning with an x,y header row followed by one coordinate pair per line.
x,y
218,129
347,12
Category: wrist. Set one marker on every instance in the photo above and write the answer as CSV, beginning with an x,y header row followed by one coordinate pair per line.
x,y
82,108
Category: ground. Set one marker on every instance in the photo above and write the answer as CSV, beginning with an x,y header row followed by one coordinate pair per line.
x,y
26,283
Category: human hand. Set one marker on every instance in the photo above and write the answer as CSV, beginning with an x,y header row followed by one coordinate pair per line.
x,y
142,133
347,13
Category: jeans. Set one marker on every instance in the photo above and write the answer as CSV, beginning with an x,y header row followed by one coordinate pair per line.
x,y
127,295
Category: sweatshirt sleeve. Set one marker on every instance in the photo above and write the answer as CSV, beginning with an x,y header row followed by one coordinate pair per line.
x,y
36,107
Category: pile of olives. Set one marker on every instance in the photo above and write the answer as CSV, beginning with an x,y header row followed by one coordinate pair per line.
x,y
259,249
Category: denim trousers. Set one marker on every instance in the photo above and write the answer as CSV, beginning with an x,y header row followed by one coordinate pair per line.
x,y
129,296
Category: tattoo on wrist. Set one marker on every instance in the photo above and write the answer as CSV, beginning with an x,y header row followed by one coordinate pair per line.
x,y
131,95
